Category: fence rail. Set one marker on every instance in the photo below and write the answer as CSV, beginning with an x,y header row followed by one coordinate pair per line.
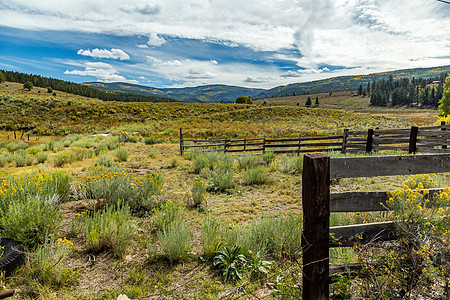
x,y
431,139
318,203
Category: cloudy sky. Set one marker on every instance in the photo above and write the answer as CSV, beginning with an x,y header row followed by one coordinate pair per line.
x,y
254,43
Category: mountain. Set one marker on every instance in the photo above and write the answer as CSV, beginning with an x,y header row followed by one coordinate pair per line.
x,y
348,83
205,93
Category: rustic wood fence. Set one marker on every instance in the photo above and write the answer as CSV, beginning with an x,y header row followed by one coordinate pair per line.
x,y
432,139
317,201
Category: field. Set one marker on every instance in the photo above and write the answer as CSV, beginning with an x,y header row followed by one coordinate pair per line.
x,y
105,205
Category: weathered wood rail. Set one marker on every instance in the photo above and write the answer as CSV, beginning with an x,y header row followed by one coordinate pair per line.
x,y
318,203
432,139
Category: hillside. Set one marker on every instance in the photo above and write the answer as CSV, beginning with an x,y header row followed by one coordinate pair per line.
x,y
205,93
348,83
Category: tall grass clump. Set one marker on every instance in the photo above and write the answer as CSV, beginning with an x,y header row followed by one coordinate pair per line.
x,y
268,157
111,185
211,236
31,220
111,228
291,164
220,181
48,264
255,175
175,239
173,233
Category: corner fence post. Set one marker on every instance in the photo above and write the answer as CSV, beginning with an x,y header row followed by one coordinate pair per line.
x,y
316,226
344,141
181,142
413,139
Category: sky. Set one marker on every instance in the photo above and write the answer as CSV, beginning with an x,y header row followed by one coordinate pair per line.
x,y
251,43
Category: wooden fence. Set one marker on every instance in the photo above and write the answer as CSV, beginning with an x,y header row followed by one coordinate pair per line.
x,y
433,139
318,169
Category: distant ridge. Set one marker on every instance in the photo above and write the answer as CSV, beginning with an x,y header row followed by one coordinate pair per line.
x,y
348,83
204,93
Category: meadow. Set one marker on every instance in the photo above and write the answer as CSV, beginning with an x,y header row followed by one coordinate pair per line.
x,y
105,205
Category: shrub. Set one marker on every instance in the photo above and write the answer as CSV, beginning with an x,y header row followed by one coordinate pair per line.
x,y
19,159
41,157
150,140
29,160
112,185
101,149
292,165
198,191
175,239
105,161
200,162
122,154
14,146
268,157
248,161
220,181
31,220
111,228
258,175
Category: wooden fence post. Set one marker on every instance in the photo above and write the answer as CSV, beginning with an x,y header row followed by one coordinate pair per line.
x,y
443,129
344,141
264,145
413,139
245,142
369,142
15,137
181,142
225,145
316,226
299,145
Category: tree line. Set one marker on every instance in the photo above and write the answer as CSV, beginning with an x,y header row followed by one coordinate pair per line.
x,y
403,91
76,88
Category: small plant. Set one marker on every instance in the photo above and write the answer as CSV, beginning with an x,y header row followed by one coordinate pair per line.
x,y
121,154
258,175
175,238
105,161
198,191
268,157
230,262
19,160
48,264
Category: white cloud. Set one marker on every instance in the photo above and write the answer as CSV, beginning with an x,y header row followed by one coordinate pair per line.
x,y
142,8
103,53
102,71
143,46
155,41
253,79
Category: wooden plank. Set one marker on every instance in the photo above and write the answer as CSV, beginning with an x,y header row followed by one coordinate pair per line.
x,y
381,141
203,141
370,201
244,144
432,150
247,149
443,134
281,140
433,143
203,146
349,167
356,139
381,148
347,236
316,226
399,131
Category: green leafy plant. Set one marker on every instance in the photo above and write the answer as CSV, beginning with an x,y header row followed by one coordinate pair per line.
x,y
231,262
175,238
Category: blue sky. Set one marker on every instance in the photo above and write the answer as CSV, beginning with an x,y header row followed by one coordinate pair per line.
x,y
262,44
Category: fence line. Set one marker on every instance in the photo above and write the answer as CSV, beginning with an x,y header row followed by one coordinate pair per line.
x,y
431,139
318,237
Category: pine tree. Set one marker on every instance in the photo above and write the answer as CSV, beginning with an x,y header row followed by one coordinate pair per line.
x,y
317,101
308,102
